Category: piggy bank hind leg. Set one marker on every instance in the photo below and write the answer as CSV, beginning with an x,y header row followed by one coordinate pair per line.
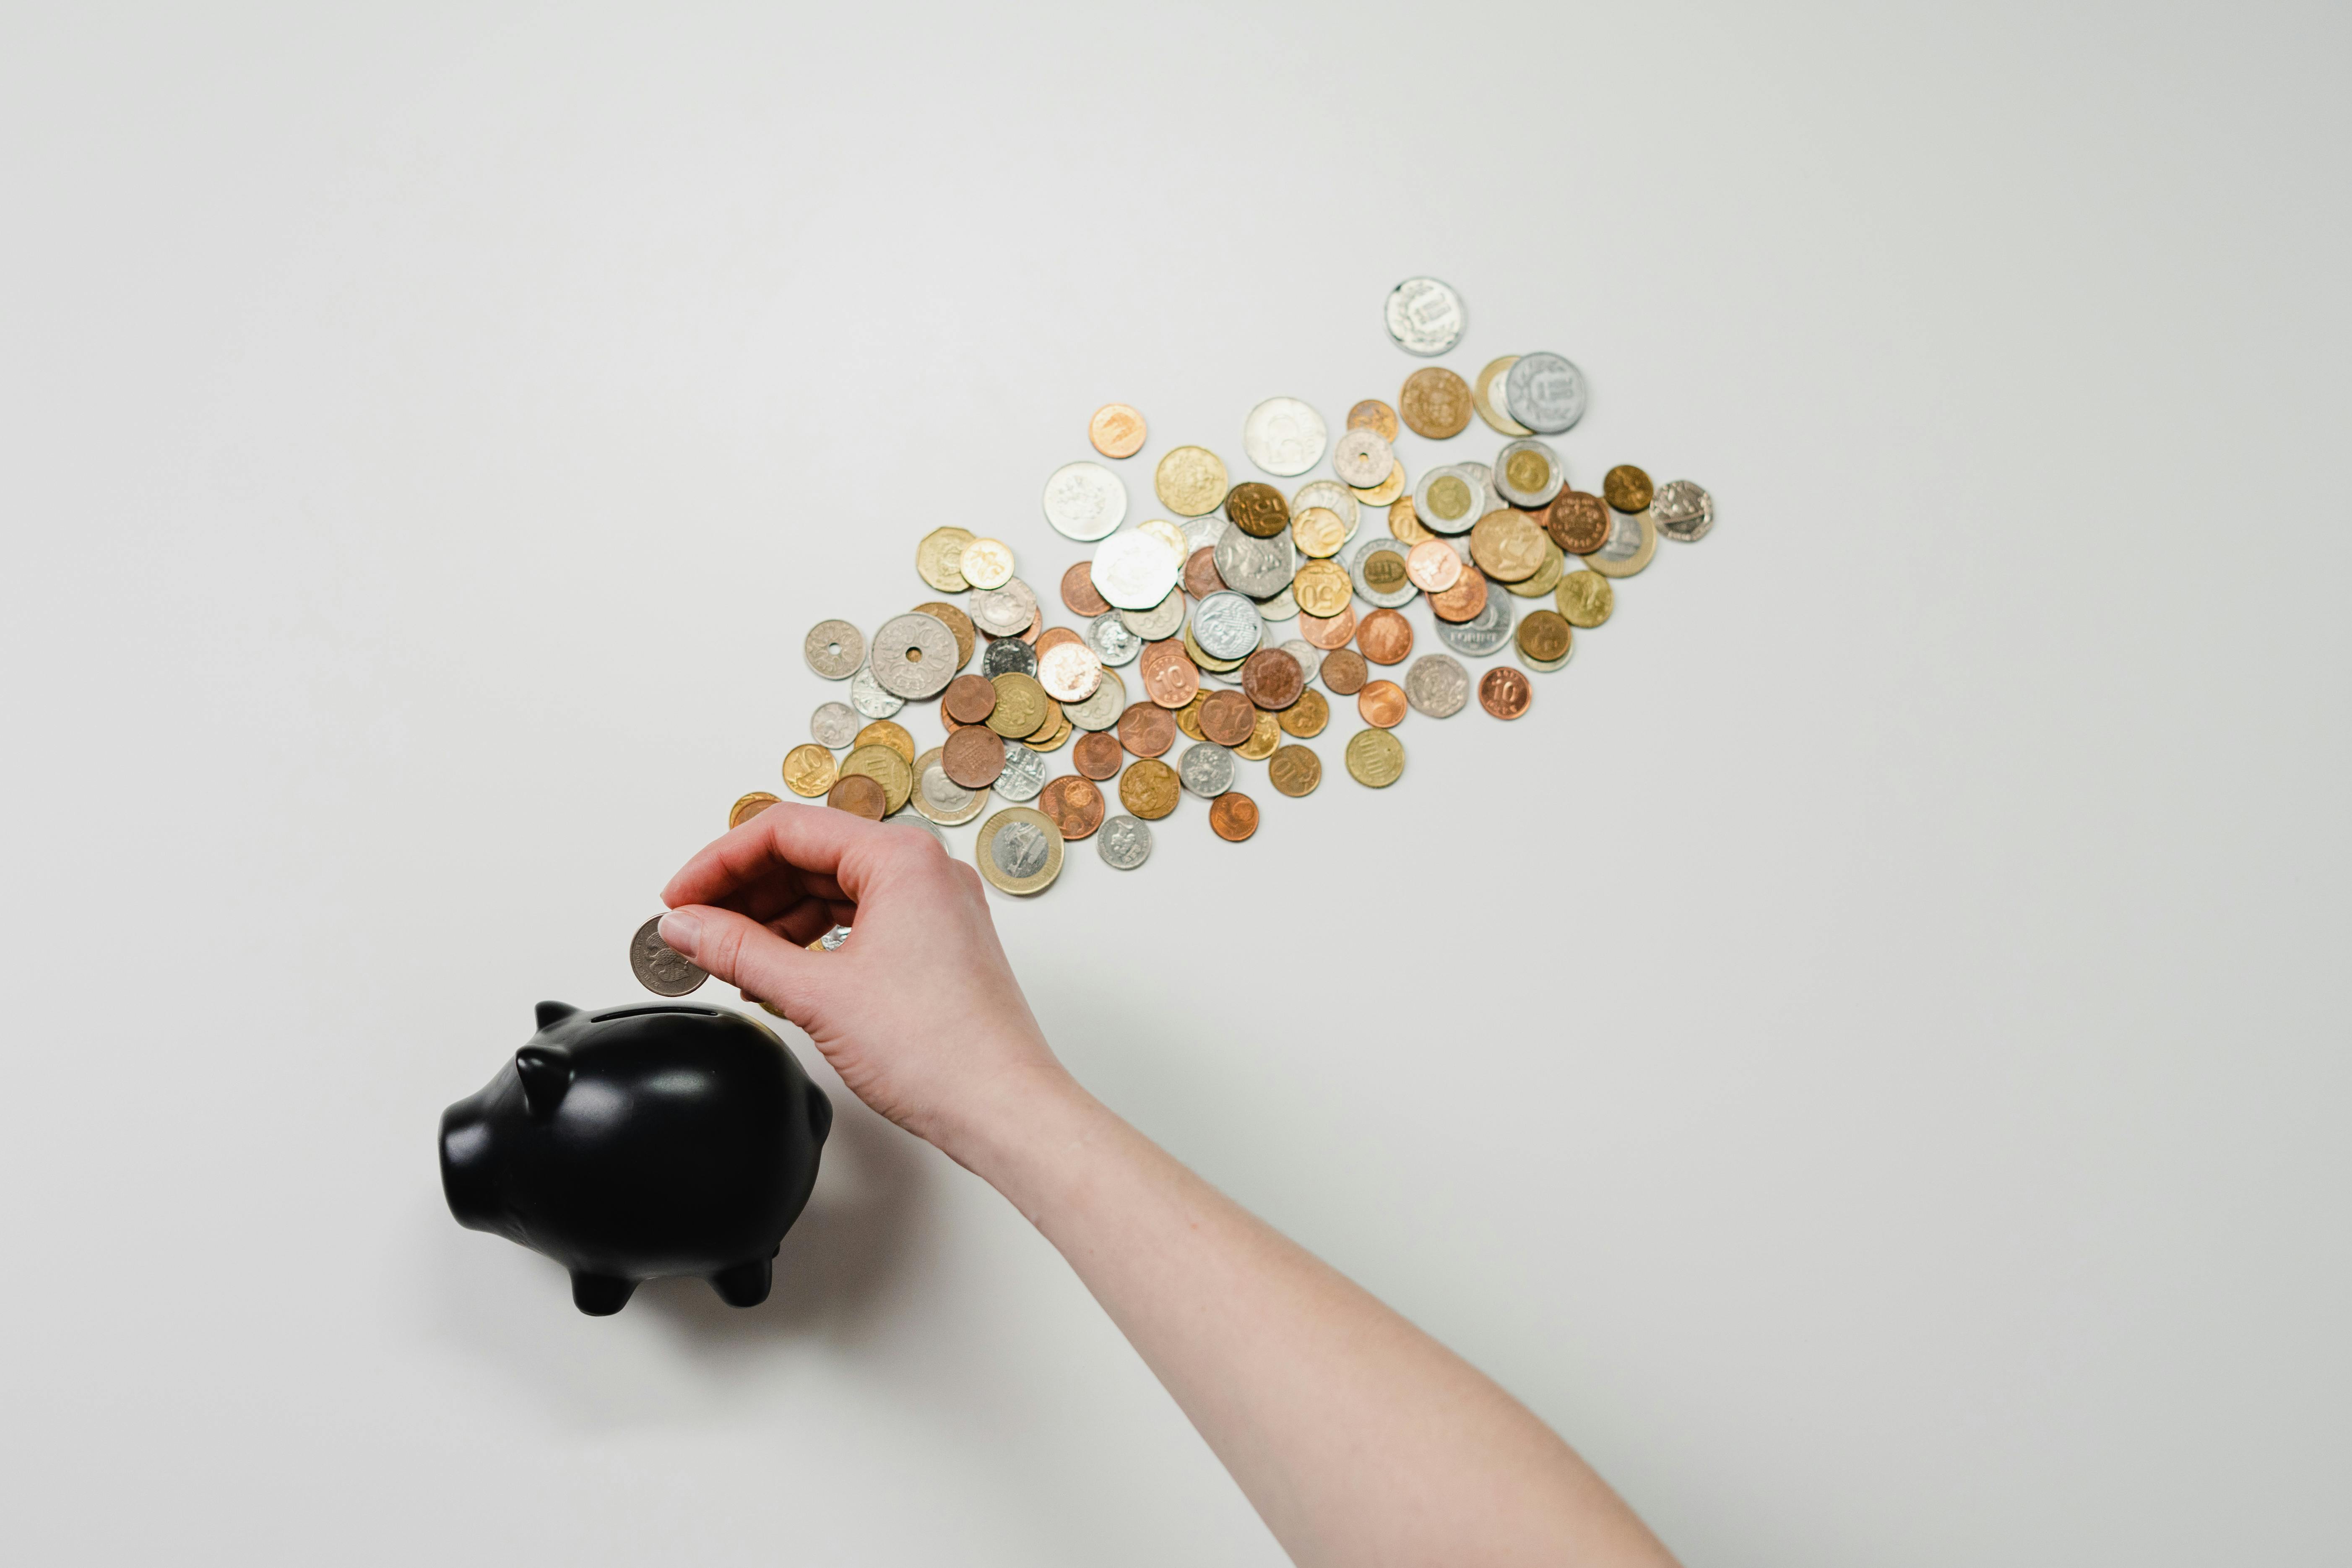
x,y
744,1284
600,1295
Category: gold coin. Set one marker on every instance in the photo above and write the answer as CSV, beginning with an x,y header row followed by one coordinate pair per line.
x,y
1169,534
959,623
749,806
1214,665
1052,739
882,733
1371,414
886,767
1266,734
1385,572
1046,725
939,559
1482,397
1632,540
1404,527
1306,717
1148,788
1507,545
1585,598
1435,402
1191,481
1322,587
808,771
1295,770
1375,758
1547,576
1257,509
1452,502
1545,637
1115,430
1318,531
1020,705
987,563
1019,850
1388,490
1188,718
1627,489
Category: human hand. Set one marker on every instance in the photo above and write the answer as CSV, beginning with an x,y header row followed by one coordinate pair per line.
x,y
919,1011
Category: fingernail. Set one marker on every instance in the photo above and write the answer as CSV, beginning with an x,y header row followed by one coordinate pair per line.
x,y
681,930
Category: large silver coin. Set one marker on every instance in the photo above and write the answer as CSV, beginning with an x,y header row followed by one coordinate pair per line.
x,y
1542,465
1258,567
1449,499
1004,612
1437,685
1309,656
1134,570
1484,633
834,725
1545,392
1425,317
1084,502
1683,512
660,967
1361,458
1124,843
1284,436
939,798
1337,496
865,695
834,649
1364,550
1160,621
1226,626
1008,656
1206,769
1107,635
1101,709
1023,774
831,940
914,655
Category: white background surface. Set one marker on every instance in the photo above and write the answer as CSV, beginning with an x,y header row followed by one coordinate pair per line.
x,y
1865,1057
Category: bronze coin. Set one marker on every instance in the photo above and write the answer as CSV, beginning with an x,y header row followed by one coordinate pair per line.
x,y
1306,717
1386,571
1150,788
1228,718
1384,635
1201,578
1295,770
1234,816
860,796
1435,402
973,756
1272,678
1627,489
1145,729
956,621
1344,671
1257,509
1170,676
1053,638
1381,703
1075,805
1433,566
1188,718
969,699
1328,632
1462,601
1078,592
1578,522
1371,414
1544,636
749,806
1504,692
1097,754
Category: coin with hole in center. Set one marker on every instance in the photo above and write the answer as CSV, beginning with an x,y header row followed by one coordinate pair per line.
x,y
834,649
1361,458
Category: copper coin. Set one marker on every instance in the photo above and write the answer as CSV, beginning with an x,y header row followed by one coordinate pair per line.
x,y
1328,632
1234,816
1578,522
1201,578
969,699
1433,566
1295,770
1504,692
1435,402
1145,729
1545,637
749,806
1097,754
1257,509
1228,718
1150,788
973,756
1371,414
1272,679
1075,805
860,796
966,636
1462,601
1384,635
1116,431
1053,638
1627,489
1170,676
1344,671
1382,704
1078,592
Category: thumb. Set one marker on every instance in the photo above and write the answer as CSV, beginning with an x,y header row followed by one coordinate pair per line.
x,y
747,955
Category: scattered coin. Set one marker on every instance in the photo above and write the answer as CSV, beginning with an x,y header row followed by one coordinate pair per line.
x,y
1257,567
1097,755
1227,718
1434,403
1379,567
1326,632
1075,805
939,559
1632,540
1306,717
859,796
834,725
1084,502
1100,710
973,756
1388,490
886,767
1371,414
1504,692
955,621
1578,522
1169,534
1344,672
1425,317
1361,458
1257,509
1508,545
939,798
749,806
1201,578
970,698
1135,570
1206,769
882,733
1449,501
1226,626
1234,817
1384,635
1318,532
1078,593
1008,656
1281,606
1295,771
1160,620
1170,676
1272,679
1206,662
1528,474
808,771
1404,522
1462,601
1483,397
1585,598
1107,635
987,563
1145,729
1019,850
1627,489
1069,671
1124,843
1190,481
914,656
1115,430
1322,588
660,967
1434,567
1188,718
1375,758
1487,632
1381,703
1266,734
1148,788
1545,392
1683,510
1023,774
1309,656
1545,638
1020,705
1005,612
1544,578
1284,436
834,649
1437,685
866,696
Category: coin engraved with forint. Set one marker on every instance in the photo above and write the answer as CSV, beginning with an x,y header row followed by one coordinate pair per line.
x,y
1425,317
1545,392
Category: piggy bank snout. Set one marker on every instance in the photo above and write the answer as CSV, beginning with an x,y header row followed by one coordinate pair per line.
x,y
469,1165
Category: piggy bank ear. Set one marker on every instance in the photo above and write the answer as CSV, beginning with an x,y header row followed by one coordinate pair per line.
x,y
554,1013
546,1074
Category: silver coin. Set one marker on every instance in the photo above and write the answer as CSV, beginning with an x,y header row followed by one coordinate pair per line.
x,y
914,655
1544,489
1101,709
831,940
1337,496
1545,392
1483,632
1084,502
1545,666
1124,843
1162,620
1206,768
1683,512
1626,538
834,725
939,798
1281,606
1134,570
1004,612
1462,507
1425,317
834,649
1365,549
660,967
1284,436
1107,635
1489,497
1361,458
1226,626
1257,567
1008,656
865,695
1023,774
1021,849
1069,672
1437,685
1202,533
1309,656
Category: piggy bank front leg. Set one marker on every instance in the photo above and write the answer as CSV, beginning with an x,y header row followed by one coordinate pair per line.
x,y
600,1295
744,1284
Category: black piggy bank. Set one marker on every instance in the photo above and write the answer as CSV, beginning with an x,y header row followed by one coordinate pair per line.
x,y
639,1142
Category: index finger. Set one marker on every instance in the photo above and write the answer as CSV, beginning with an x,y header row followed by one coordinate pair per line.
x,y
813,840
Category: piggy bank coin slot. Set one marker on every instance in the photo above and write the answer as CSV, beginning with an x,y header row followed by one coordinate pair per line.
x,y
645,1012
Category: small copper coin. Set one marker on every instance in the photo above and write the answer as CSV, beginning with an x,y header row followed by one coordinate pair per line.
x,y
1257,509
1227,717
1328,632
1150,788
1201,578
1295,770
1504,692
860,796
1075,805
1053,638
1145,729
1234,816
1097,754
1116,431
1544,636
1435,402
1382,704
1272,679
1462,601
1344,671
1627,489
1385,636
749,806
1078,592
973,756
1371,414
1306,717
969,699
1433,566
1578,522
1170,676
